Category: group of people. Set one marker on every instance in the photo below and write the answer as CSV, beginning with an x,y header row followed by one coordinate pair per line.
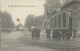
x,y
35,32
58,35
51,34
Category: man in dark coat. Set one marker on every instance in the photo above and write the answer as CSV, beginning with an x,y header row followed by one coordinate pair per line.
x,y
74,33
54,36
63,35
67,35
37,33
59,35
48,32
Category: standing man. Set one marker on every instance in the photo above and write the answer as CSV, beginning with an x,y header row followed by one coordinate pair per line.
x,y
38,30
74,33
48,32
37,33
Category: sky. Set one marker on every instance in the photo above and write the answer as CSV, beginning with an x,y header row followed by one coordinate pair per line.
x,y
22,12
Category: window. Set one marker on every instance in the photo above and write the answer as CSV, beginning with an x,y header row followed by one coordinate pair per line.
x,y
64,20
52,23
55,22
59,21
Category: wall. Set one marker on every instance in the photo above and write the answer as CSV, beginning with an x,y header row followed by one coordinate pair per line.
x,y
74,8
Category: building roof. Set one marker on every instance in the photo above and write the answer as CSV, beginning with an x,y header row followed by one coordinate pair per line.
x,y
67,3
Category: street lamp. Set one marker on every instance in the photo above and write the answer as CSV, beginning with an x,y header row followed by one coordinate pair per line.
x,y
20,26
18,20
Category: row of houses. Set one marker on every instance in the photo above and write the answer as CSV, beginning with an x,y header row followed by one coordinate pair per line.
x,y
62,15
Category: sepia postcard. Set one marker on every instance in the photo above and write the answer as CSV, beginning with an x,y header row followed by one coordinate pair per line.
x,y
39,25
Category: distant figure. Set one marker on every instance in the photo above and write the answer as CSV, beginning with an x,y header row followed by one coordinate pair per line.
x,y
74,33
63,36
48,32
33,32
67,35
51,35
55,35
59,35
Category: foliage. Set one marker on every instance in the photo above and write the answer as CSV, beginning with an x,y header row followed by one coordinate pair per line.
x,y
33,21
6,21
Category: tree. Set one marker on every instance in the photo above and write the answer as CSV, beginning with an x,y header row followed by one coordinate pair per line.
x,y
37,21
6,21
33,21
29,21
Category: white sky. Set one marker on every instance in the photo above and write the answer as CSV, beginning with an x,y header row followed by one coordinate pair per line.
x,y
23,12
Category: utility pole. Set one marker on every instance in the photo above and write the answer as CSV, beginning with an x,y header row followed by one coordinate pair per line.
x,y
19,24
48,16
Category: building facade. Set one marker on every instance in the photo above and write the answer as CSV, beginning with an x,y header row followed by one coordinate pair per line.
x,y
64,16
49,7
0,20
